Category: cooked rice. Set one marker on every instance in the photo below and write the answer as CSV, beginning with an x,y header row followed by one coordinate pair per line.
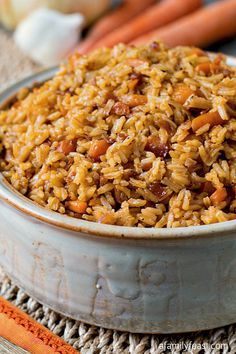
x,y
108,140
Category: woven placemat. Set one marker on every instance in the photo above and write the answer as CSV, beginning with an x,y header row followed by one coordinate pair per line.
x,y
90,339
14,65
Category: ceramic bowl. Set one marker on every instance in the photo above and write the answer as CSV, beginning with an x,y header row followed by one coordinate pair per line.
x,y
130,279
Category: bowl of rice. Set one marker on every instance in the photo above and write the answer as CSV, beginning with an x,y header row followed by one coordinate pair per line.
x,y
118,188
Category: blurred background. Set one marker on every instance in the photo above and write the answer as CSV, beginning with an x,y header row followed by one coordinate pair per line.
x,y
227,46
39,33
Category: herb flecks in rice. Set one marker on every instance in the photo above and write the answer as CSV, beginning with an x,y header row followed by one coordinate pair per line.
x,y
128,136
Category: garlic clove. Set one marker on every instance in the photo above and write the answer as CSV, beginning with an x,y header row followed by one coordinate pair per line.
x,y
14,11
47,36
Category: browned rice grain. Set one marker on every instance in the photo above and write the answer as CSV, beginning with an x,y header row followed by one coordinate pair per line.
x,y
153,168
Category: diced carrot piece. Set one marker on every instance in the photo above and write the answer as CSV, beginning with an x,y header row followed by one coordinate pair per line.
x,y
77,206
207,68
218,196
134,100
98,148
67,146
212,118
146,166
181,93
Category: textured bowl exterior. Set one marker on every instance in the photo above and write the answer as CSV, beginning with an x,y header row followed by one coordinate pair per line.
x,y
133,280
154,286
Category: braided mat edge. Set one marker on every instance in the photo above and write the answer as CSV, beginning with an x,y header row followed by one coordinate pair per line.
x,y
93,340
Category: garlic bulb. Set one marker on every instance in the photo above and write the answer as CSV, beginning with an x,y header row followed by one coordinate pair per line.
x,y
47,36
14,11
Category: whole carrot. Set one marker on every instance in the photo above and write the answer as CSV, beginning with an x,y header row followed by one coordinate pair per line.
x,y
155,16
205,26
114,19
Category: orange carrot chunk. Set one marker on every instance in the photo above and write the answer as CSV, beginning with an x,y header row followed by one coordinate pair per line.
x,y
218,196
181,93
67,146
98,148
212,118
77,206
146,166
207,68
